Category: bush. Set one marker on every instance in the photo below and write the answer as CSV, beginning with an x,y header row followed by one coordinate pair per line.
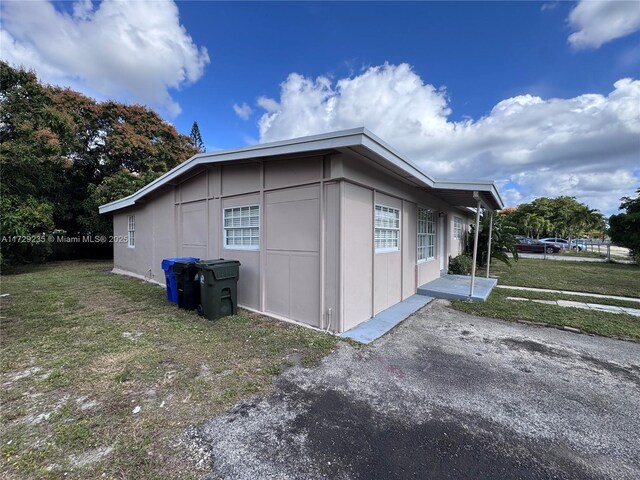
x,y
460,265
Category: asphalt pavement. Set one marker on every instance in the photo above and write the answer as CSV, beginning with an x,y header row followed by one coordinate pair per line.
x,y
444,395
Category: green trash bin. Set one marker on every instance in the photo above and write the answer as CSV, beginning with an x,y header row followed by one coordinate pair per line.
x,y
218,287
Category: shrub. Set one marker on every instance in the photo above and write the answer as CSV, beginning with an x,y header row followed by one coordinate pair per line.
x,y
460,265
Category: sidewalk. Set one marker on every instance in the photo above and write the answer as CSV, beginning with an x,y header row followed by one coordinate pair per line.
x,y
567,292
567,258
586,306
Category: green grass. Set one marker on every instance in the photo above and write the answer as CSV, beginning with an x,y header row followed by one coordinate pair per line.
x,y
600,278
81,347
590,321
572,298
603,278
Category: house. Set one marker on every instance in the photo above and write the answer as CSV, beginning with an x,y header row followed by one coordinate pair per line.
x,y
330,229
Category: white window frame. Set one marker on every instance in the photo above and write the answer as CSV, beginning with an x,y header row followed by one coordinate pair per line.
x,y
131,231
379,229
458,228
226,229
426,235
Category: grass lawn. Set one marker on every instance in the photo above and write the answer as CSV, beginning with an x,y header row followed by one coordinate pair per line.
x,y
590,321
83,349
603,278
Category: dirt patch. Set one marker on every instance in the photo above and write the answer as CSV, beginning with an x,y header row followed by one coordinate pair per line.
x,y
92,456
613,369
532,347
12,378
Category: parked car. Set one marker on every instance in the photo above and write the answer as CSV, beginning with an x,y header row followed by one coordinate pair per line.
x,y
580,243
531,245
564,243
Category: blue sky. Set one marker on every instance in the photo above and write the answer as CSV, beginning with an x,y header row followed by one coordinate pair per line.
x,y
482,52
541,97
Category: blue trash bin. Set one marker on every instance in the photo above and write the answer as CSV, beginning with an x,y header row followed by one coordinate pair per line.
x,y
170,278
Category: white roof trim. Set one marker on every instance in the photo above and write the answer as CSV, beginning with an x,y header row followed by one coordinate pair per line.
x,y
327,141
487,186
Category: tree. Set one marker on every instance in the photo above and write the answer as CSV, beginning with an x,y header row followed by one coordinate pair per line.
x,y
554,217
503,240
624,228
61,152
196,138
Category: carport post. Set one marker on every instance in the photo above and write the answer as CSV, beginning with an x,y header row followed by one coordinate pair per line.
x,y
475,250
489,247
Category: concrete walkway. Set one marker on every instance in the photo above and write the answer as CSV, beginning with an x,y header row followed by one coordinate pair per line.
x,y
586,306
568,292
457,287
377,326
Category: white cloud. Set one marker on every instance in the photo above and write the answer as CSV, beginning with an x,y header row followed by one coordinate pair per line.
x,y
131,51
243,111
269,104
587,146
599,22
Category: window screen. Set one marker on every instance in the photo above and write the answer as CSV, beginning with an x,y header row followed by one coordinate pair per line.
x,y
131,231
426,234
242,227
387,229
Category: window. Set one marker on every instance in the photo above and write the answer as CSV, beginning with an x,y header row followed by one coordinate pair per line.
x,y
387,229
131,231
426,235
457,228
242,228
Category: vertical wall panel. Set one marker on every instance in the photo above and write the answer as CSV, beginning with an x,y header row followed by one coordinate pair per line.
x,y
292,274
332,254
358,250
194,225
387,278
409,248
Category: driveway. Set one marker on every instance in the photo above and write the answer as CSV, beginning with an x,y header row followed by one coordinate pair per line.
x,y
444,395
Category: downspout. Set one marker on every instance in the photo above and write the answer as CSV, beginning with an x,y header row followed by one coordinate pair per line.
x,y
323,226
490,235
475,245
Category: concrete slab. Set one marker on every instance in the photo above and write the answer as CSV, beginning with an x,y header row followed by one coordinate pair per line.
x,y
546,302
604,308
567,292
585,306
377,326
570,303
456,287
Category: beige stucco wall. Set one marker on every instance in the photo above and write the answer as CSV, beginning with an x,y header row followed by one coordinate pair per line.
x,y
357,261
154,236
316,263
283,276
292,245
458,245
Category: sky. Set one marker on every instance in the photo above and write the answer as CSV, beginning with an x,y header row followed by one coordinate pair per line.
x,y
541,97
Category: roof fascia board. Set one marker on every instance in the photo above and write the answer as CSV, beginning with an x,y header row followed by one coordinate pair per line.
x,y
378,147
317,142
327,141
473,185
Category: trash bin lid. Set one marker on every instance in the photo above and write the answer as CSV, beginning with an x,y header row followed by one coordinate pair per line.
x,y
168,262
218,261
186,263
221,268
